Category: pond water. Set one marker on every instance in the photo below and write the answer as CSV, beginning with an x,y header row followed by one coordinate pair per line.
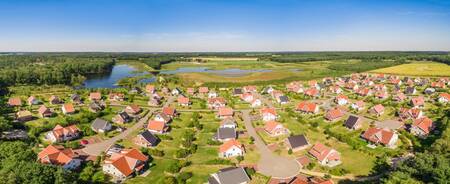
x,y
232,72
110,80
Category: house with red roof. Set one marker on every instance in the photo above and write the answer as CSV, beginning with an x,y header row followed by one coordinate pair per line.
x,y
363,92
418,102
439,84
59,156
256,102
325,155
249,88
399,97
68,108
295,87
341,99
61,134
125,163
422,127
203,90
95,96
268,114
225,112
334,114
274,128
133,109
43,111
190,91
358,105
444,98
150,88
377,110
413,113
231,148
307,107
158,127
116,96
215,103
14,102
247,97
183,101
54,100
381,94
382,136
312,92
169,111
336,89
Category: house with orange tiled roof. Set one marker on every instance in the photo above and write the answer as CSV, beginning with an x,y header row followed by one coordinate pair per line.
x,y
43,111
116,96
225,112
169,111
247,97
341,99
312,92
307,107
358,105
335,89
61,134
334,114
438,84
364,92
422,127
190,91
377,110
14,101
60,156
256,102
413,113
381,94
215,103
95,96
203,90
125,163
325,155
381,136
274,128
183,101
418,102
399,97
68,108
295,87
231,148
268,114
249,88
133,109
158,127
150,88
444,98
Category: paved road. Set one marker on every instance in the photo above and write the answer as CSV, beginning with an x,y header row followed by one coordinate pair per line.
x,y
97,148
269,163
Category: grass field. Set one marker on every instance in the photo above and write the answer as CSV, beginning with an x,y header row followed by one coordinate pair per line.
x,y
418,69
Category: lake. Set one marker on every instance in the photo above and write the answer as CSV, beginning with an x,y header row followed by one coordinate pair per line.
x,y
110,80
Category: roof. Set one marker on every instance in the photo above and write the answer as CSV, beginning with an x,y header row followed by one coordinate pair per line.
x,y
183,100
320,151
168,111
237,91
232,176
271,125
23,113
351,121
126,161
297,141
57,155
226,133
225,111
134,107
334,114
424,123
306,106
60,131
268,110
378,135
445,95
229,144
42,109
418,101
15,101
378,108
69,107
99,124
156,125
220,100
203,89
149,137
284,98
95,95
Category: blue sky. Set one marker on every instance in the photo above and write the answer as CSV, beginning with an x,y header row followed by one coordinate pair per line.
x,y
224,25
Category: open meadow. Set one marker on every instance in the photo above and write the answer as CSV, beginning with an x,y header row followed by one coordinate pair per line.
x,y
431,69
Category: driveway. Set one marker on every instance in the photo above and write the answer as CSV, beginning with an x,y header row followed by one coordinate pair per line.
x,y
269,163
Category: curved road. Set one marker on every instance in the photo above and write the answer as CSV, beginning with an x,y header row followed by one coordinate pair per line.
x,y
270,164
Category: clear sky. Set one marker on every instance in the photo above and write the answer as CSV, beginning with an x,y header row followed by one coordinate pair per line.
x,y
224,25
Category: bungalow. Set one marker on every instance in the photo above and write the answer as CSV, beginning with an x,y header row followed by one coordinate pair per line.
x,y
169,111
341,99
377,110
68,108
150,89
438,84
158,127
353,122
396,82
183,101
400,97
274,128
231,148
96,106
410,90
312,92
413,113
61,134
358,105
381,94
23,116
228,123
250,89
364,92
297,142
247,97
422,126
100,125
229,175
215,103
133,109
116,96
352,86
225,134
60,156
295,87
325,155
122,118
334,114
336,89
225,112
307,107
162,117
203,90
190,91
95,96
44,111
268,114
33,101
54,100
444,98
313,84
146,139
75,98
125,163
381,136
14,102
418,102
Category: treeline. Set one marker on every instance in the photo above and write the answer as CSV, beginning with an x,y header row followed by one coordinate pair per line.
x,y
37,69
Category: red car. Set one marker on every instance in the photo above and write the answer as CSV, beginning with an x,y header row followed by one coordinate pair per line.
x,y
84,142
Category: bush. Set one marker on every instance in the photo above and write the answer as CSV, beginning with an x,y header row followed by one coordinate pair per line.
x,y
219,161
250,171
182,153
174,167
290,151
